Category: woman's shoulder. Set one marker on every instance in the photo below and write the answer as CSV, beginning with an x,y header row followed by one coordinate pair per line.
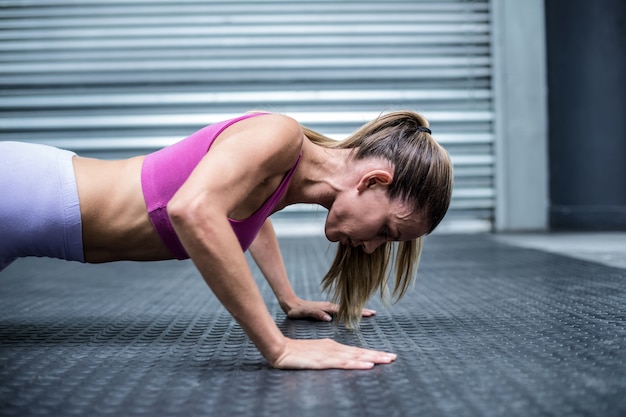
x,y
279,126
279,135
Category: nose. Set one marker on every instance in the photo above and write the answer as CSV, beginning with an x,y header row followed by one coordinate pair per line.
x,y
370,246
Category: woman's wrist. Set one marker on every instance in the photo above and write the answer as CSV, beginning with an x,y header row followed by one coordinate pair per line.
x,y
287,302
272,346
276,352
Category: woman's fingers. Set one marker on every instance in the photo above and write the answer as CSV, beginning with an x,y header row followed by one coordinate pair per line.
x,y
319,310
368,313
326,354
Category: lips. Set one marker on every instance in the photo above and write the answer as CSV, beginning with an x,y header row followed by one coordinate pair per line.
x,y
352,243
349,242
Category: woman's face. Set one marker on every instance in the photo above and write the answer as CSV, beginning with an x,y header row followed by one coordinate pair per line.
x,y
366,217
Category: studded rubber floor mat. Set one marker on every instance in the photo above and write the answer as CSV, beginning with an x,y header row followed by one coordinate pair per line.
x,y
488,330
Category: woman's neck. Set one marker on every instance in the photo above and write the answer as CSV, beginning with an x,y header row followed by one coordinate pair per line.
x,y
320,176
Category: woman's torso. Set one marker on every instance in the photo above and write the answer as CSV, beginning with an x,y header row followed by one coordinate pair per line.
x,y
116,222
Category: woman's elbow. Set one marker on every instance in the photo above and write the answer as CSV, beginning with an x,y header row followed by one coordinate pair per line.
x,y
182,211
194,213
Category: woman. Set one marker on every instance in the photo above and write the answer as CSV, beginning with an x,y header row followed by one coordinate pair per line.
x,y
209,196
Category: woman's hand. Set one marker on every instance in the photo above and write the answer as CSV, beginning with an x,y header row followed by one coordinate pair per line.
x,y
328,354
266,254
317,310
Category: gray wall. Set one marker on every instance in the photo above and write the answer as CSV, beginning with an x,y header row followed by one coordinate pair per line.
x,y
586,45
519,82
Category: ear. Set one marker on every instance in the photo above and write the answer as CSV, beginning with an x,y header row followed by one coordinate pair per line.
x,y
377,177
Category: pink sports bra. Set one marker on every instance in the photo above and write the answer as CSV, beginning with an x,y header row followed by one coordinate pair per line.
x,y
164,172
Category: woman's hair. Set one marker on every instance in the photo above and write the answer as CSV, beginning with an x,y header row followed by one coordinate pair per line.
x,y
422,178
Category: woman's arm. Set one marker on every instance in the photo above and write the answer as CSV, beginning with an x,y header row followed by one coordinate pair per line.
x,y
219,185
266,253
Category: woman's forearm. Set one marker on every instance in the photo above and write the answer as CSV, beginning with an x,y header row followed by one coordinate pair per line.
x,y
266,253
215,251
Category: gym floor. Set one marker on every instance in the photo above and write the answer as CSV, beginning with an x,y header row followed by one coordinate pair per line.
x,y
490,328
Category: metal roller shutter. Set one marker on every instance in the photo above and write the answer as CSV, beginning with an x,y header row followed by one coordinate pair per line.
x,y
113,78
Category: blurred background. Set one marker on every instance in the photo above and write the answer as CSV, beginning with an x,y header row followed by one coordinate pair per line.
x,y
527,96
